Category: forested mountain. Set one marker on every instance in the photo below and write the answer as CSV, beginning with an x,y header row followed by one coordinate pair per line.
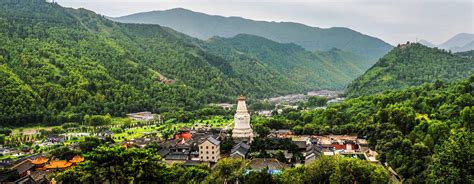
x,y
205,26
424,133
58,64
411,64
309,70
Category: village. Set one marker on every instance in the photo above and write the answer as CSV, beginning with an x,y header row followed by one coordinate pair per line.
x,y
200,143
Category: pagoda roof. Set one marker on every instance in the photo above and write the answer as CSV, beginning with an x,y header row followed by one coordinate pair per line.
x,y
58,164
77,159
40,160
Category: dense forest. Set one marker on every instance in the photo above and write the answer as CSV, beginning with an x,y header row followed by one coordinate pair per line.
x,y
412,64
59,64
425,133
205,26
307,70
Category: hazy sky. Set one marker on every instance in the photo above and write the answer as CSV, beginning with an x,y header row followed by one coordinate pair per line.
x,y
394,21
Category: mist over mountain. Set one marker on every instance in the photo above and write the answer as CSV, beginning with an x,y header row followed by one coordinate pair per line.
x,y
205,26
458,43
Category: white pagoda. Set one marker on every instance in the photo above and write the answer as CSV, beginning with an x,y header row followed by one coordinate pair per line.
x,y
242,130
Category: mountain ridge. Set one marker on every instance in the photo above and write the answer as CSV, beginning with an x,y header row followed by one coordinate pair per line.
x,y
411,64
458,43
205,26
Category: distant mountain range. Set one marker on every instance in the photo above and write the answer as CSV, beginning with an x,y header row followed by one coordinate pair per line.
x,y
412,64
459,43
205,26
58,64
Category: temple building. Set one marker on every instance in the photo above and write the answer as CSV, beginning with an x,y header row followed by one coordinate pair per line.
x,y
242,131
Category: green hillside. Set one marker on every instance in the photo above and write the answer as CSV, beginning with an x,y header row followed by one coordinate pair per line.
x,y
307,70
60,64
411,64
424,133
205,26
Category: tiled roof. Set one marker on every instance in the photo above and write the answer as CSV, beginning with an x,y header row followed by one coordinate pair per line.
x,y
242,148
176,157
58,164
213,141
23,166
77,159
40,160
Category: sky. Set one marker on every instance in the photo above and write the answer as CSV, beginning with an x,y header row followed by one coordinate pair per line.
x,y
392,21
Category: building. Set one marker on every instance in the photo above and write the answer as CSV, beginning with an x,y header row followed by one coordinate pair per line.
x,y
242,130
273,165
184,133
225,106
209,150
240,150
141,116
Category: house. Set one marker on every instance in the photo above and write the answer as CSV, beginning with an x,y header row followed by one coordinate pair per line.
x,y
195,163
177,157
163,152
225,106
313,152
141,116
184,133
6,163
302,142
266,113
240,150
23,167
55,138
209,150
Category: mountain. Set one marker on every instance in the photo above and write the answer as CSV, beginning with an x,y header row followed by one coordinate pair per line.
x,y
309,70
205,26
459,43
58,64
411,64
426,43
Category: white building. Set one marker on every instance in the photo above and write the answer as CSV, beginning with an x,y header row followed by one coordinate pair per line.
x,y
209,150
242,130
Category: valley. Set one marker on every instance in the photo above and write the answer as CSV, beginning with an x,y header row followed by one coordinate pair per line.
x,y
179,96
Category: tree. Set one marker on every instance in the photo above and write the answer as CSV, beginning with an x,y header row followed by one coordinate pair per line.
x,y
227,170
453,160
116,165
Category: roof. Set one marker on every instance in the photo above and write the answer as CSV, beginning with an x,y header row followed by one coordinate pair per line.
x,y
77,159
176,157
40,160
213,141
300,144
242,145
25,179
163,152
58,164
23,166
241,148
271,163
193,162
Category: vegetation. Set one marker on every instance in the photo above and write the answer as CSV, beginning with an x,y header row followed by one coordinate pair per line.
x,y
58,65
118,165
412,64
203,26
424,133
